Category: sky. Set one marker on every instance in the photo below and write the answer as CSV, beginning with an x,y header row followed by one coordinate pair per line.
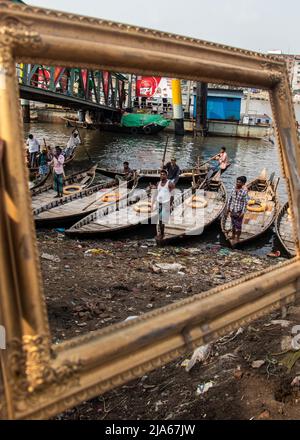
x,y
259,25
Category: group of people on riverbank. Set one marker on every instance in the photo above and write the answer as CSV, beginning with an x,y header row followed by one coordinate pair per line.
x,y
45,157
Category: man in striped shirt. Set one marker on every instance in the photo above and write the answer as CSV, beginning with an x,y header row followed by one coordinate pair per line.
x,y
237,205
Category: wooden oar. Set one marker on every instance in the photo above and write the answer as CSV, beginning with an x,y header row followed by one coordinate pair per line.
x,y
165,151
204,163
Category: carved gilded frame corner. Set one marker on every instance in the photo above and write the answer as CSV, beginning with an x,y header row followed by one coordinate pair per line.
x,y
39,380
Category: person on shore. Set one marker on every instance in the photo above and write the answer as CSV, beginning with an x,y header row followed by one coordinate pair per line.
x,y
58,171
43,162
173,170
237,205
33,148
165,188
72,144
222,158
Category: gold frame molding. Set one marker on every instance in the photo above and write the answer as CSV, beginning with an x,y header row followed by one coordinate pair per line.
x,y
40,380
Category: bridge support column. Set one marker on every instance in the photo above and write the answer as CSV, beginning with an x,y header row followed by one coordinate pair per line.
x,y
201,109
177,107
25,104
81,115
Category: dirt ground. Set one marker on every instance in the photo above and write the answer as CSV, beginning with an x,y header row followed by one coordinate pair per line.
x,y
92,284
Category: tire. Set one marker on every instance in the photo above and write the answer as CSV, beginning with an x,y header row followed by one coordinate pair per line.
x,y
133,130
147,130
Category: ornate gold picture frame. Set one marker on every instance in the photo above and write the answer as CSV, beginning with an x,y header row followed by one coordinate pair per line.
x,y
39,380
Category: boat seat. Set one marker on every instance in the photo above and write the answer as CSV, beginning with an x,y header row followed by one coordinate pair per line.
x,y
85,179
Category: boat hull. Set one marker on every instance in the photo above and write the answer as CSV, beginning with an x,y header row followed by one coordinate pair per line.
x,y
283,228
153,175
117,128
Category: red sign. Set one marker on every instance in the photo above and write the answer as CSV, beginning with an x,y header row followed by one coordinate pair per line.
x,y
84,74
146,85
105,76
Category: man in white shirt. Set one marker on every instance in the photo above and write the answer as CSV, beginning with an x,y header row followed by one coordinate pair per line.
x,y
165,188
33,148
73,142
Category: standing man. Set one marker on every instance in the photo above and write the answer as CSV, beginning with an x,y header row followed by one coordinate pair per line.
x,y
33,148
73,143
237,205
223,160
173,171
163,201
58,171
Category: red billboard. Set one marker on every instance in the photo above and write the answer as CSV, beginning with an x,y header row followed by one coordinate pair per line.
x,y
146,86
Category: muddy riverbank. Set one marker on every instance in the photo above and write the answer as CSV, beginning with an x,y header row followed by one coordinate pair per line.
x,y
93,284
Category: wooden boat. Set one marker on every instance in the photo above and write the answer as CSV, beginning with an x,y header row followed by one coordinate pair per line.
x,y
117,217
74,183
70,122
284,230
263,193
125,215
39,181
195,210
75,206
154,174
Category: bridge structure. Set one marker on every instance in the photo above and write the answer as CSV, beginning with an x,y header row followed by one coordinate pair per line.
x,y
100,92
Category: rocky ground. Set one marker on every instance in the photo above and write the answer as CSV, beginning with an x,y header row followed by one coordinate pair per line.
x,y
92,284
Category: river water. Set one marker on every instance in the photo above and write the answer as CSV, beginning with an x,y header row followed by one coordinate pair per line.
x,y
247,156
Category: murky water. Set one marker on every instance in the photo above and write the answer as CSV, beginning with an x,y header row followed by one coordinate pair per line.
x,y
247,157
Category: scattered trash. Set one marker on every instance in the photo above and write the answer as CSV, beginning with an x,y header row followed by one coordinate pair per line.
x,y
224,251
286,343
177,289
238,374
258,363
97,251
290,359
130,318
229,338
264,415
296,381
214,247
155,254
157,405
155,269
274,254
185,363
61,230
169,267
199,355
282,322
50,257
193,251
202,388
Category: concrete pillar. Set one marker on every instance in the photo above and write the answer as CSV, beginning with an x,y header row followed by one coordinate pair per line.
x,y
81,115
177,107
129,103
201,108
25,104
